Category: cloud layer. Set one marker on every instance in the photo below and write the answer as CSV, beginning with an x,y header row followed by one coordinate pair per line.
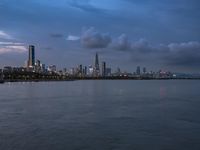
x,y
4,35
121,43
12,49
173,54
91,38
7,45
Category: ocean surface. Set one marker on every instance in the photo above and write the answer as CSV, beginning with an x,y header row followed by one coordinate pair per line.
x,y
100,115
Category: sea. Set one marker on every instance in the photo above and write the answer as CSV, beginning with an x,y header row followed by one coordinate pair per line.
x,y
100,115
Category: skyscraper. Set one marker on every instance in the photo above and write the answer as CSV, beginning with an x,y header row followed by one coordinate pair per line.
x,y
31,56
138,70
96,65
80,70
103,69
85,70
144,70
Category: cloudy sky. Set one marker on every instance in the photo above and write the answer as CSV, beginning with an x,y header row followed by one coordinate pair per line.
x,y
157,34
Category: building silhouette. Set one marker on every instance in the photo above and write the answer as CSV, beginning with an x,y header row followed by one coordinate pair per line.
x,y
96,66
31,56
138,70
103,69
144,70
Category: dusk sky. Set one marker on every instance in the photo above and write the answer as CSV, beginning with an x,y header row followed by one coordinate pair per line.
x,y
157,34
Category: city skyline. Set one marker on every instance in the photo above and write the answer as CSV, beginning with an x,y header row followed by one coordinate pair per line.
x,y
97,68
157,35
35,70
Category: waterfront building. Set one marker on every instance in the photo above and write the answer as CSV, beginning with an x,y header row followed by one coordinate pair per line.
x,y
31,56
108,72
85,71
37,66
65,70
80,70
118,72
37,63
72,71
91,70
103,69
42,66
26,64
138,70
52,68
7,69
96,66
144,70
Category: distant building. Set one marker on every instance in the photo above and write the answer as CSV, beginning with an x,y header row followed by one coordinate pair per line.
x,y
72,71
52,68
7,69
31,57
138,70
108,72
91,70
37,63
118,72
26,64
96,66
64,70
103,69
80,70
144,70
37,66
43,68
85,71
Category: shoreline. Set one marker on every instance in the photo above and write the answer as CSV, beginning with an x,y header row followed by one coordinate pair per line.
x,y
77,79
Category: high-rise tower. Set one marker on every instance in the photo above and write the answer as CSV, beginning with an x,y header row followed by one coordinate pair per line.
x,y
96,65
103,69
97,62
138,70
31,56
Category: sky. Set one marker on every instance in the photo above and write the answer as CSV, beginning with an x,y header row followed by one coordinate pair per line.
x,y
156,34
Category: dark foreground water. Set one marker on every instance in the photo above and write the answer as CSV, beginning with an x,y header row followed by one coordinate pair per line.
x,y
100,115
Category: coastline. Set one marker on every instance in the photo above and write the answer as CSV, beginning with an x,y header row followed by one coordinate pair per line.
x,y
93,78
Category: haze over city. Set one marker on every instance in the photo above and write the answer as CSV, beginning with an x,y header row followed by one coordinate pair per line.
x,y
160,34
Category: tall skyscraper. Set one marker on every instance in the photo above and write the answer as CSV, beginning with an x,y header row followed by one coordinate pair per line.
x,y
144,70
103,69
31,56
96,65
80,70
85,70
138,70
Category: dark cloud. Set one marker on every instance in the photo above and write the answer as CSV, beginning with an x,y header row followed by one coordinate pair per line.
x,y
91,38
184,54
142,46
122,43
174,54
